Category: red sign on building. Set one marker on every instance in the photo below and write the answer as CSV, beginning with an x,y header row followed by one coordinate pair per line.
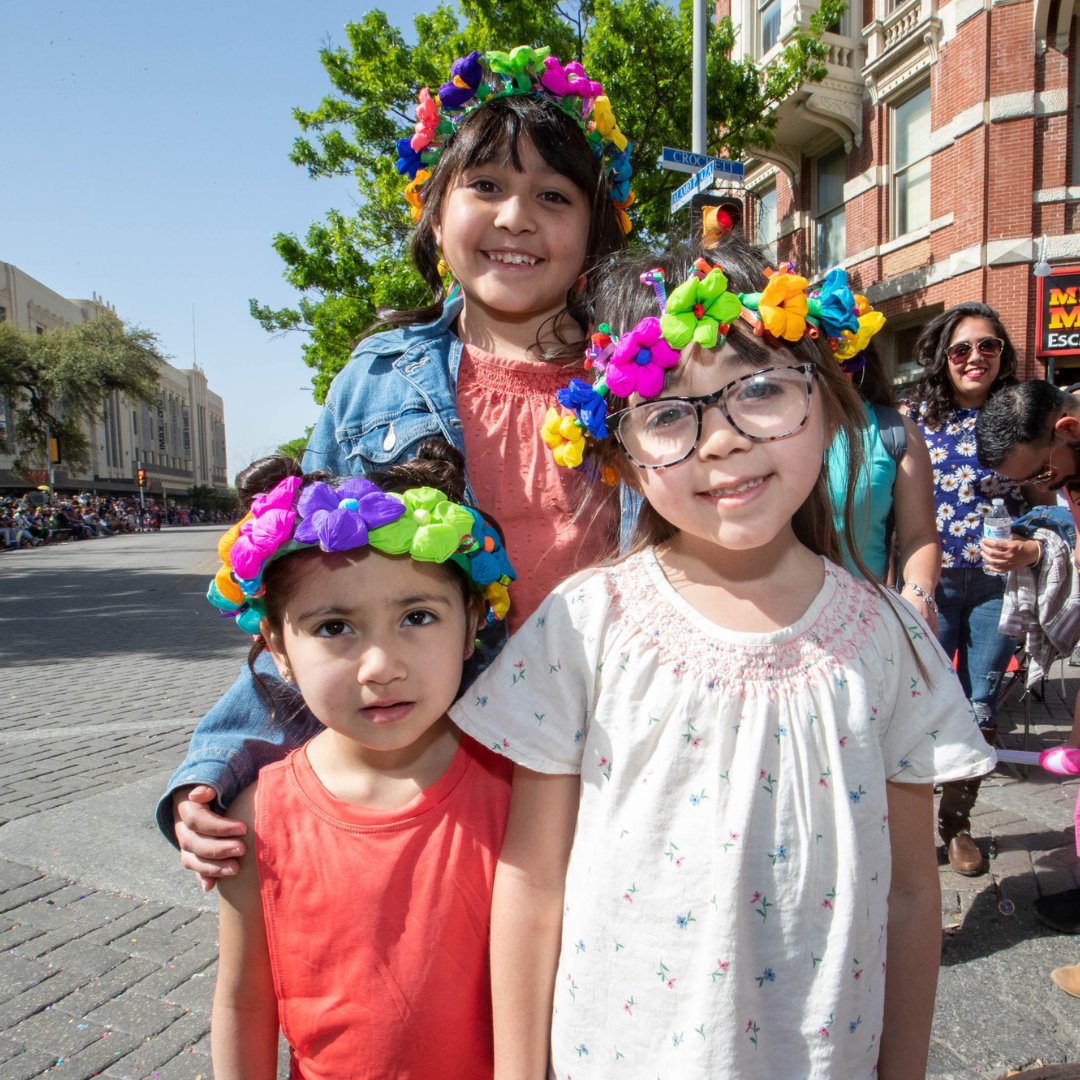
x,y
1057,313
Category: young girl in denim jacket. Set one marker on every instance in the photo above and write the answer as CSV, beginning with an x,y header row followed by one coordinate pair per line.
x,y
719,861
519,184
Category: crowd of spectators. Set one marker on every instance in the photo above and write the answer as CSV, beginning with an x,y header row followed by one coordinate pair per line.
x,y
26,521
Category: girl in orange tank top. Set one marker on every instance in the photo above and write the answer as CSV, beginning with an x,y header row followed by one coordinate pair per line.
x,y
358,923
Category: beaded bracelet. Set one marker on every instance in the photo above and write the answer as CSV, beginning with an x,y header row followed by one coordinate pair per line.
x,y
923,595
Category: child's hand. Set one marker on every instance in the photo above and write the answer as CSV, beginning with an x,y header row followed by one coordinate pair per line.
x,y
208,843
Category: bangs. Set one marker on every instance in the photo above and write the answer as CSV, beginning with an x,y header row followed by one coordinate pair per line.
x,y
495,133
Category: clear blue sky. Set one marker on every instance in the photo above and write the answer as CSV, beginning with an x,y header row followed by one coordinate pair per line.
x,y
145,157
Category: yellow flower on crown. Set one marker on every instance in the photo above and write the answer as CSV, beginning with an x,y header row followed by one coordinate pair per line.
x,y
853,344
565,437
783,307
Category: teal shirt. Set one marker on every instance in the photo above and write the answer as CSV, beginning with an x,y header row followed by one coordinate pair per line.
x,y
873,495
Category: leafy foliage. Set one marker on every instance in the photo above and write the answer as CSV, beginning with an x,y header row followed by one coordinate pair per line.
x,y
61,380
348,267
295,448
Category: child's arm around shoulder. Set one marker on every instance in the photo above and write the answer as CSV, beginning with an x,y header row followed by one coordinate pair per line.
x,y
526,919
244,1022
913,950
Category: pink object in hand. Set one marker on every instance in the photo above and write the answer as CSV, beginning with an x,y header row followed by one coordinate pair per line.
x,y
1064,760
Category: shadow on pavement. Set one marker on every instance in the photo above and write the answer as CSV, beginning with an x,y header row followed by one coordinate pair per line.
x,y
114,611
988,929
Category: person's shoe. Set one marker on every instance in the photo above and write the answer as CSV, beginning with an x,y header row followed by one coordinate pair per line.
x,y
1068,978
1060,911
964,855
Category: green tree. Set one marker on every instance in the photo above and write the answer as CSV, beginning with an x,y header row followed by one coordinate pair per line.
x,y
59,381
294,448
350,265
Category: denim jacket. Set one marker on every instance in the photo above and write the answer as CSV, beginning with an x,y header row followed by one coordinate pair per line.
x,y
399,388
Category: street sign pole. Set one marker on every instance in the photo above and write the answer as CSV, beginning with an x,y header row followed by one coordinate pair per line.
x,y
698,117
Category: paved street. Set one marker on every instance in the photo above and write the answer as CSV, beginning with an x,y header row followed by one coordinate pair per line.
x,y
110,655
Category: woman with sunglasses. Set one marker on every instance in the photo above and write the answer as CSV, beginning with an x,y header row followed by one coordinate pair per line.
x,y
966,355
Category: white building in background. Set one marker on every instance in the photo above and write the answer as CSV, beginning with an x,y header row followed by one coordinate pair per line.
x,y
179,441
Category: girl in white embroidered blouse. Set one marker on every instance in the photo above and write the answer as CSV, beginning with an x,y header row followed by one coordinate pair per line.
x,y
719,858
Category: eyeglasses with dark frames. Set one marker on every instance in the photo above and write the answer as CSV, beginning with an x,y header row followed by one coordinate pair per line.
x,y
765,405
959,351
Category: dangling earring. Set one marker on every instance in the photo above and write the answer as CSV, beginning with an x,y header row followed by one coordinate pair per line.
x,y
286,674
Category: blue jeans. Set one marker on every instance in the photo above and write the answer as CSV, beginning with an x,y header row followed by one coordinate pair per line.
x,y
969,607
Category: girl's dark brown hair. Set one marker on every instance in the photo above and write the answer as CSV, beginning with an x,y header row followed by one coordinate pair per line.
x,y
496,132
934,392
437,464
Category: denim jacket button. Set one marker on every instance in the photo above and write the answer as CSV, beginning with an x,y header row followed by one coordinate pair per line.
x,y
390,441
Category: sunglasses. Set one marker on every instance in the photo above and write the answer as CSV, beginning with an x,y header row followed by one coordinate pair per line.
x,y
959,351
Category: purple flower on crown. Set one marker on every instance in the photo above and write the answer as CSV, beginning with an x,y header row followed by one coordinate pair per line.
x,y
465,77
587,405
409,162
339,519
269,528
639,361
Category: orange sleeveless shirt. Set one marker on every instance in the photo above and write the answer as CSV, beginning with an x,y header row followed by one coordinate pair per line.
x,y
377,921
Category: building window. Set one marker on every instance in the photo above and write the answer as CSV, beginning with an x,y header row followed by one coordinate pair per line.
x,y
829,237
767,224
3,314
769,23
911,163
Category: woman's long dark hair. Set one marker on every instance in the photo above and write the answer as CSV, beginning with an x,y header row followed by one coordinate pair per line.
x,y
934,394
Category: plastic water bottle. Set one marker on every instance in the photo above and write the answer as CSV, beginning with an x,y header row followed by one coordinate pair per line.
x,y
997,525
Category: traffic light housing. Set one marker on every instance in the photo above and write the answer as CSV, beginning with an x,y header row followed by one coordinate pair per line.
x,y
713,215
141,477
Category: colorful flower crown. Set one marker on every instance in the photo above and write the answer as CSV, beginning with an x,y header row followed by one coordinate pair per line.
x,y
701,309
479,78
422,522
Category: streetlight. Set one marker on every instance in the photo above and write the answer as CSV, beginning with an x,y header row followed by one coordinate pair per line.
x,y
1042,268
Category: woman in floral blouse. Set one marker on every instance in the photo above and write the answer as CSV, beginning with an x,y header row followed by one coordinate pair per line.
x,y
966,355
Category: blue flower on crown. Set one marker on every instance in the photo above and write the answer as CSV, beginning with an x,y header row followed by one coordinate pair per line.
x,y
836,304
409,162
587,405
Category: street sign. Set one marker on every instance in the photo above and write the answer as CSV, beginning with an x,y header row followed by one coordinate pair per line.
x,y
685,161
699,181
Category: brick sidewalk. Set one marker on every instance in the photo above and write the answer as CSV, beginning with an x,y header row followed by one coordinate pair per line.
x,y
94,715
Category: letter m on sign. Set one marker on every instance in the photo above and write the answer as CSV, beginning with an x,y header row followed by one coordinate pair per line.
x,y
1061,297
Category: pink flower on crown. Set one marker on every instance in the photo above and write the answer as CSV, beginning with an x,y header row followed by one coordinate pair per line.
x,y
427,120
268,529
639,361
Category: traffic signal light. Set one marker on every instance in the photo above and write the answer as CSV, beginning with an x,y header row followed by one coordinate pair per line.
x,y
141,477
712,216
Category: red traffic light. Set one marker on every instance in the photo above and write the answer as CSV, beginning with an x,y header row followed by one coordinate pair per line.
x,y
141,476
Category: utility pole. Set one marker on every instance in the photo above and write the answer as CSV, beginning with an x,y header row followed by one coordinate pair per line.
x,y
698,118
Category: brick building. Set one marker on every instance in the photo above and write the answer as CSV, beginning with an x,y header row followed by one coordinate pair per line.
x,y
932,161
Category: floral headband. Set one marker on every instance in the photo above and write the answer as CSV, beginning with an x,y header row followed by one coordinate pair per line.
x,y
422,523
479,78
701,309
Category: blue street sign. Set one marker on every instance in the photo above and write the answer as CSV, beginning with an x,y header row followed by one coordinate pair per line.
x,y
685,161
702,179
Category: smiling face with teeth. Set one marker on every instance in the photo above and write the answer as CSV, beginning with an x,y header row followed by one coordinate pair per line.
x,y
515,240
733,496
973,377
